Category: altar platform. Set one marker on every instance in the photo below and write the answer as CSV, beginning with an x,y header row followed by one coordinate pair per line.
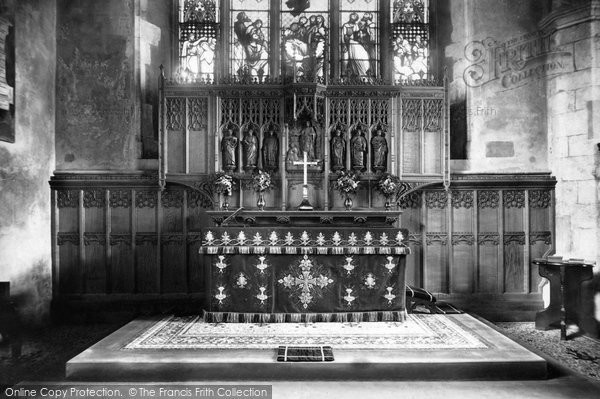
x,y
424,347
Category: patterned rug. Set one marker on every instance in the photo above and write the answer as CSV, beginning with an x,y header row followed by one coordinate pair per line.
x,y
419,331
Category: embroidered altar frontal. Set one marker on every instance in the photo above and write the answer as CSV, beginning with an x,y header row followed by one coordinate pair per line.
x,y
263,274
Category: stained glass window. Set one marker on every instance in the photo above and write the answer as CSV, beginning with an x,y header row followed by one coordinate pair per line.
x,y
250,38
359,38
304,38
198,27
410,35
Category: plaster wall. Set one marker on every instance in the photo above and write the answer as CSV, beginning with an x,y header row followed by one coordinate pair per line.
x,y
26,165
98,107
505,104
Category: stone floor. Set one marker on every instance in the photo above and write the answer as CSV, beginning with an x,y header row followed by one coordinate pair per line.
x,y
578,353
571,376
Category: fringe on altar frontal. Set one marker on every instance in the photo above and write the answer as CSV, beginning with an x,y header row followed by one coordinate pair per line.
x,y
336,317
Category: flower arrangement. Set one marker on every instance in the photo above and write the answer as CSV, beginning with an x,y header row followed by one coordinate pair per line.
x,y
388,185
223,184
346,183
261,181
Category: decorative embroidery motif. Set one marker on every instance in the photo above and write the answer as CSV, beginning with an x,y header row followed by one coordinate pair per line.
x,y
336,239
352,240
241,238
241,281
221,265
349,298
368,238
273,238
390,265
289,239
383,239
320,240
349,266
252,241
257,239
262,297
262,265
221,295
389,296
399,238
370,281
225,239
304,238
306,282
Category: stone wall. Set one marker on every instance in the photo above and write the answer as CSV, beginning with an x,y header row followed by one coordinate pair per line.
x,y
97,124
26,165
574,132
505,105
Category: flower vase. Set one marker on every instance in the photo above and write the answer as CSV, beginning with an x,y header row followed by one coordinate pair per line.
x,y
261,202
348,203
225,204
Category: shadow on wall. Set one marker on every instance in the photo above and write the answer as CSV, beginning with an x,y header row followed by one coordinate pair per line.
x,y
32,294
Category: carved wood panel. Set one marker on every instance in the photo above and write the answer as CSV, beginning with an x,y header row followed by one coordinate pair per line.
x,y
457,249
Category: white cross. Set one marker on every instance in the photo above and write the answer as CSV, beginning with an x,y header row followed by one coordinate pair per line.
x,y
305,163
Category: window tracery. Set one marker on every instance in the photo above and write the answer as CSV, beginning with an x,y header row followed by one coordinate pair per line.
x,y
198,35
359,38
303,47
249,38
410,40
304,37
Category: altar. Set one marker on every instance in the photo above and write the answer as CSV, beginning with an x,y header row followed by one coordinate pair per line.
x,y
298,266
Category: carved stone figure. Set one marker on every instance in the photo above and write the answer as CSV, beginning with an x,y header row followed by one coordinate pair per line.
x,y
307,139
292,156
250,147
270,151
379,150
228,150
358,150
338,151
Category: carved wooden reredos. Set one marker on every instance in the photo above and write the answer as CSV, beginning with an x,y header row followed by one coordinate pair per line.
x,y
199,120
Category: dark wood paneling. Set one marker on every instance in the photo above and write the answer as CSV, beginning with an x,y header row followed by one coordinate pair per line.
x,y
174,276
176,152
195,267
488,267
67,220
462,281
478,245
513,267
147,269
122,268
94,219
95,265
70,271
